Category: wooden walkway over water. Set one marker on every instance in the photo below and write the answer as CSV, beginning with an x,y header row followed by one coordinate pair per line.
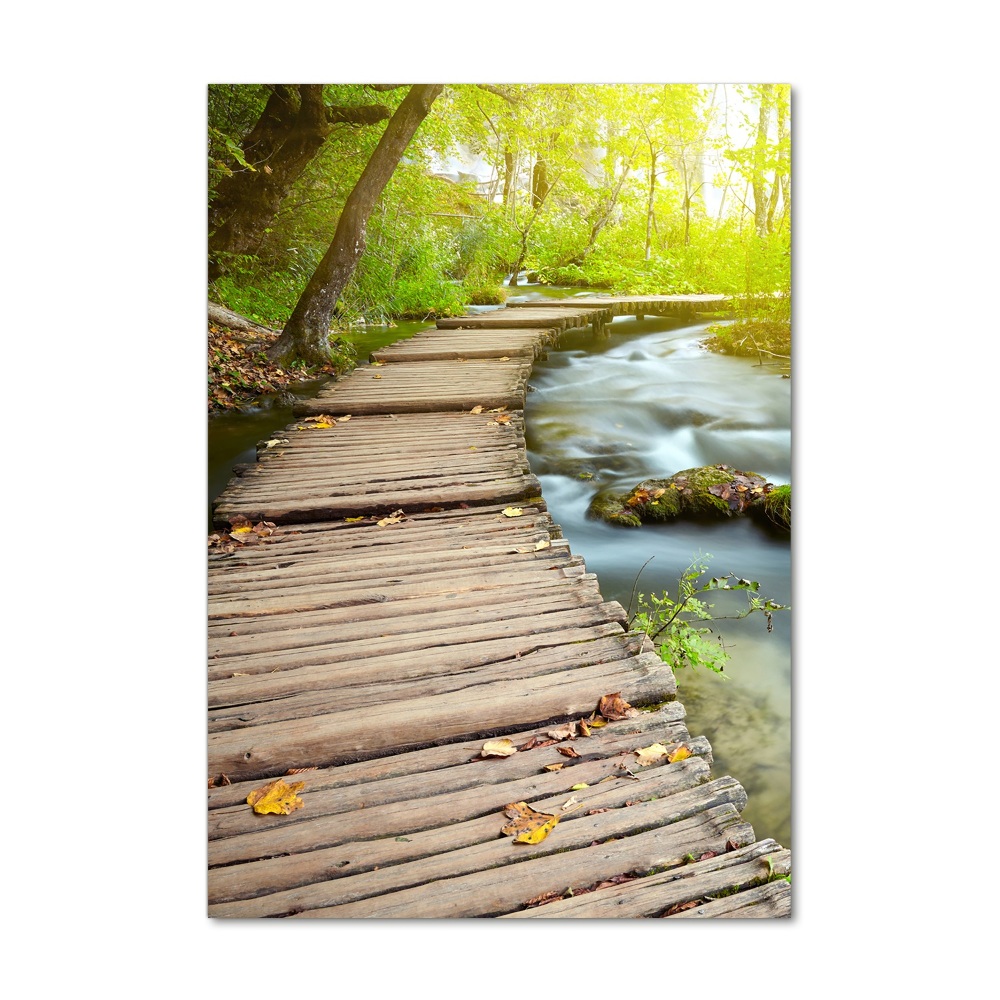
x,y
414,600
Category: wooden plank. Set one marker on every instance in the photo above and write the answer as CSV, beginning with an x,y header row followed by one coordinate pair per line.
x,y
271,748
448,798
772,900
504,890
531,315
478,847
375,466
358,682
655,895
423,386
464,344
391,778
623,305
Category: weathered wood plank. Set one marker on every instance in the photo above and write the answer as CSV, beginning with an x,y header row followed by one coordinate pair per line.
x,y
445,762
529,316
383,472
765,901
458,345
422,806
271,748
655,895
495,892
423,386
654,803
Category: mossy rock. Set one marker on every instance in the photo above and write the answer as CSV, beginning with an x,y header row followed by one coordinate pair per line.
x,y
689,494
776,507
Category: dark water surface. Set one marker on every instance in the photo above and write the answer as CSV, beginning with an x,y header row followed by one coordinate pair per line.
x,y
649,401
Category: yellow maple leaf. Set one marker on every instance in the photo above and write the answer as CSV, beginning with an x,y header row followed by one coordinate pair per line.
x,y
277,797
513,512
681,753
529,826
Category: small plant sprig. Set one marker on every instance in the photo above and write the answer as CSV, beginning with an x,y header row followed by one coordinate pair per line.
x,y
674,624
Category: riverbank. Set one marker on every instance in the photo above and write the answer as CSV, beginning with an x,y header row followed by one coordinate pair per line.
x,y
240,373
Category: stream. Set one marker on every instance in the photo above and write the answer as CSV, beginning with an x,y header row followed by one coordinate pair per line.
x,y
646,400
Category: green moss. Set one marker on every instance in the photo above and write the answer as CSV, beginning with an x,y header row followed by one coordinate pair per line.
x,y
777,506
685,494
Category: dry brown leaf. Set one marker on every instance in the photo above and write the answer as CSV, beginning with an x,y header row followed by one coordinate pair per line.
x,y
554,767
277,797
563,732
536,741
681,907
300,770
476,409
567,751
614,708
394,518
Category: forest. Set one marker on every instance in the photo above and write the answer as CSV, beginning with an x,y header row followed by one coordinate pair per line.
x,y
338,206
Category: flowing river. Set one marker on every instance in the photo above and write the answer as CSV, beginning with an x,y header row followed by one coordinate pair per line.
x,y
646,401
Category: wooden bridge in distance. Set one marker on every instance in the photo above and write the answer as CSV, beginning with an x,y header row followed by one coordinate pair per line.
x,y
413,601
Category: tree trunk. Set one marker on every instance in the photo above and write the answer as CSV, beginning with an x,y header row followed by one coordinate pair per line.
x,y
760,160
508,181
779,168
307,332
539,183
291,130
649,203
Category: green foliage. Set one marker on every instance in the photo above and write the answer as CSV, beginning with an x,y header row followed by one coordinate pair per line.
x,y
433,247
264,295
675,624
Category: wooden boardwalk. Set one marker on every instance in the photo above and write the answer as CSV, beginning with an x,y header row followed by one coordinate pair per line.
x,y
413,600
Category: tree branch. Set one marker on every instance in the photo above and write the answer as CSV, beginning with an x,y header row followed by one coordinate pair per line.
x,y
498,91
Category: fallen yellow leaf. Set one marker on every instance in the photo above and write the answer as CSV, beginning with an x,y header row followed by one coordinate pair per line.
x,y
681,753
476,409
513,512
647,755
498,748
353,520
277,797
528,826
543,544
